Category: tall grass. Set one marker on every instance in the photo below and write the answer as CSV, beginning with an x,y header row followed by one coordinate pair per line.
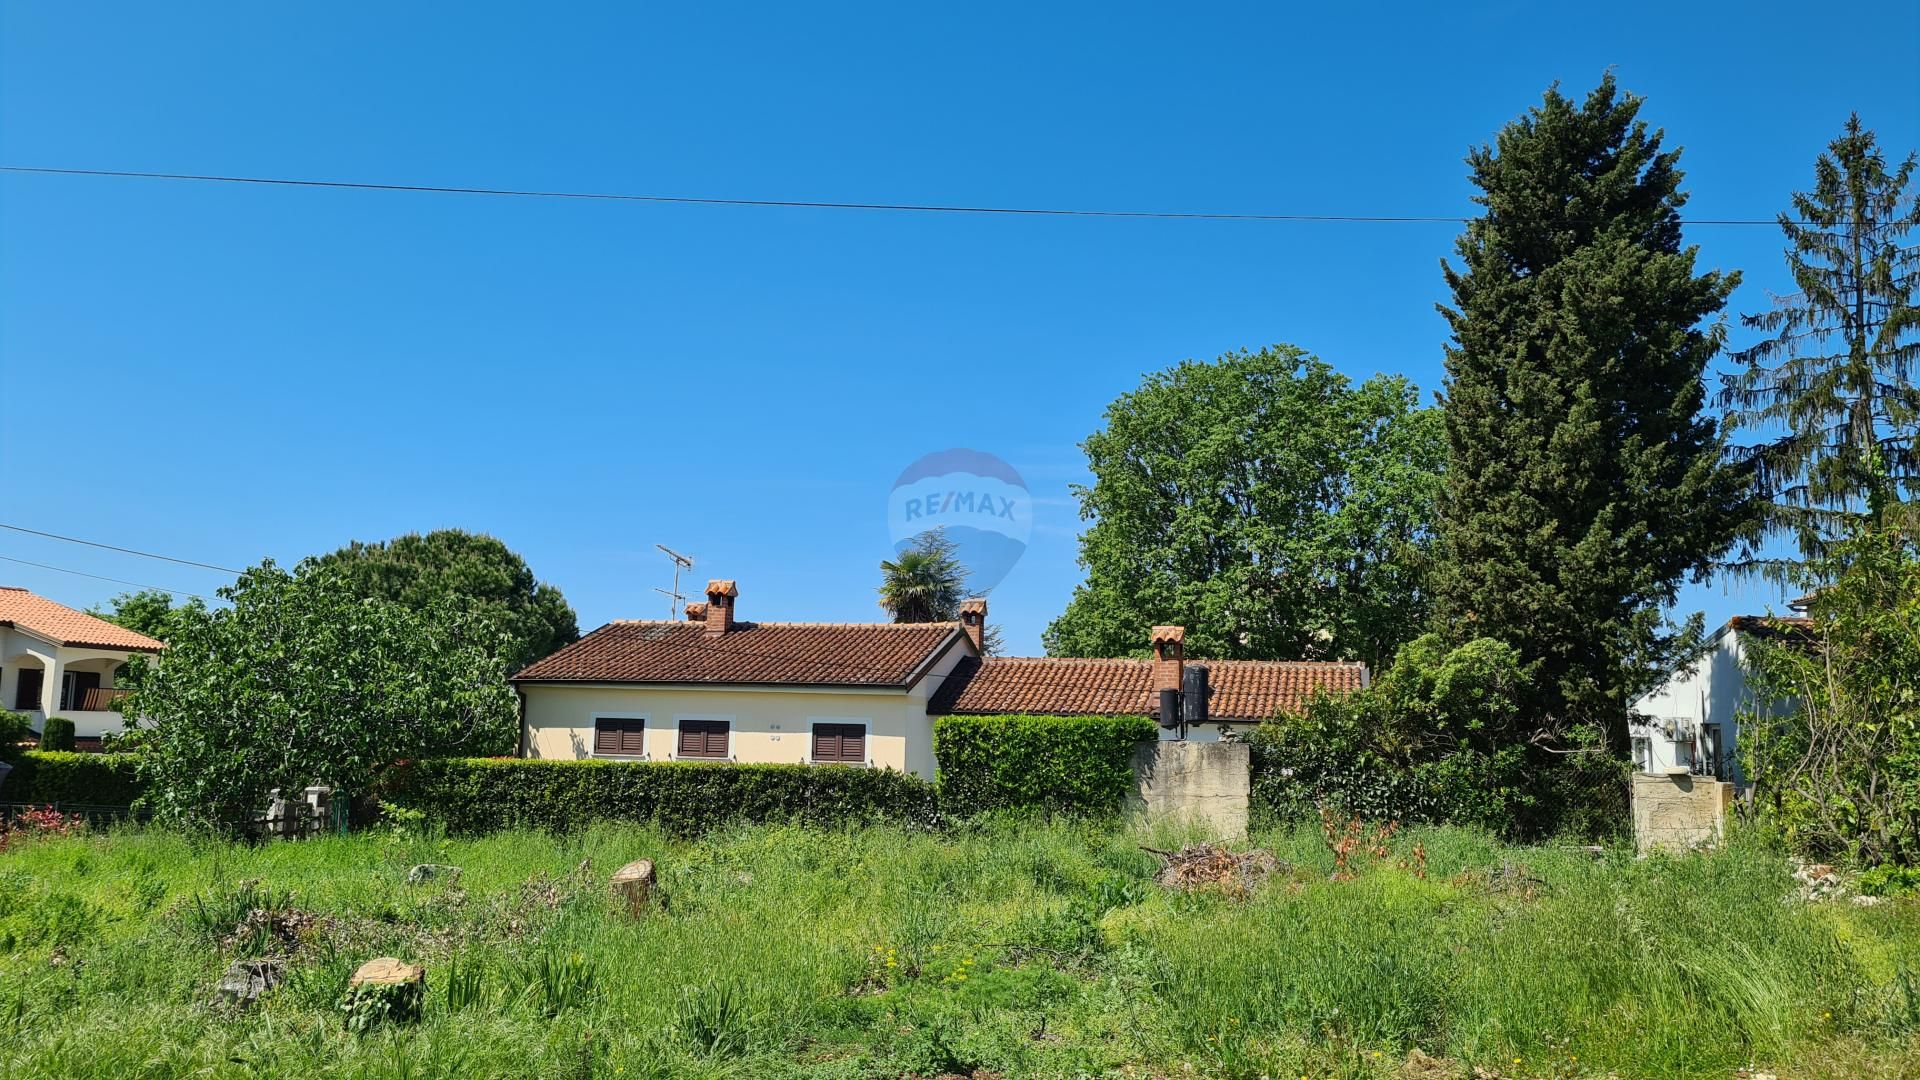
x,y
1024,950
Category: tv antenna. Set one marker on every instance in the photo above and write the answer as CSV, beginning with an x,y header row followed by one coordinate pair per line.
x,y
674,596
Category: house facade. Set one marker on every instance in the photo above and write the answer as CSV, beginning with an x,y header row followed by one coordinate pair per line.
x,y
1690,724
56,661
717,688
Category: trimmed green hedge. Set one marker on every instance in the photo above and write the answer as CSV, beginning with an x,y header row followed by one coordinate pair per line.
x,y
62,776
1059,764
56,734
476,795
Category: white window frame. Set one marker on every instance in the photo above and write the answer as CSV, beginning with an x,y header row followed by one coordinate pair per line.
x,y
674,753
866,740
646,733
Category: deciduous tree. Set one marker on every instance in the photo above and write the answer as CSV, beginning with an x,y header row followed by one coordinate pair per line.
x,y
1264,502
303,680
476,572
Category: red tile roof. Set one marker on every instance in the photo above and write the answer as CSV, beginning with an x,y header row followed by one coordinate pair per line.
x,y
62,624
789,654
1765,624
1242,689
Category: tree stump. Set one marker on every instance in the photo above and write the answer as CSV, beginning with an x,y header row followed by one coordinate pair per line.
x,y
634,885
385,990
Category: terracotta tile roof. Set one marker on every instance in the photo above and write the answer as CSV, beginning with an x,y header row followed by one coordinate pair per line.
x,y
58,622
1242,689
795,654
1795,629
1766,624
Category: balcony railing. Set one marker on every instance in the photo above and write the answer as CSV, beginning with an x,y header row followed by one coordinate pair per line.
x,y
102,699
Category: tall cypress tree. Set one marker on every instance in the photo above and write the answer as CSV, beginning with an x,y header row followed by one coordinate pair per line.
x,y
1830,389
1583,485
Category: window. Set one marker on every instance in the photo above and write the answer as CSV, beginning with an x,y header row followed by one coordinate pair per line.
x,y
702,738
74,688
844,744
619,736
26,694
1643,753
1713,758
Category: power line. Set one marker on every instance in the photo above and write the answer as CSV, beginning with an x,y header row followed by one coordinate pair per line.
x,y
801,204
98,577
122,550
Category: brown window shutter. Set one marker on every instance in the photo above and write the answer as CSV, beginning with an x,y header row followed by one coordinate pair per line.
x,y
843,743
620,736
703,738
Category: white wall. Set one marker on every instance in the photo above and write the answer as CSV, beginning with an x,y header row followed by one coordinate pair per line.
x,y
1711,690
18,649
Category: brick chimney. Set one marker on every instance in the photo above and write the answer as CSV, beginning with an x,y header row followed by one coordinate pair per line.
x,y
697,611
1169,656
973,620
720,594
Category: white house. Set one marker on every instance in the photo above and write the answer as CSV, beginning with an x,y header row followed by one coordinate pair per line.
x,y
1690,723
716,687
55,661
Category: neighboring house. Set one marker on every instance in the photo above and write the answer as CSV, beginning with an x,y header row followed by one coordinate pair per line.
x,y
717,688
55,661
1690,723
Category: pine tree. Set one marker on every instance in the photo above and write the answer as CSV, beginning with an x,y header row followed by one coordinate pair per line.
x,y
1583,484
1830,387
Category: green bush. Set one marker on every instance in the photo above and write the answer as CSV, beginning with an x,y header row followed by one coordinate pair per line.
x,y
477,795
14,730
62,776
1070,764
1439,738
56,734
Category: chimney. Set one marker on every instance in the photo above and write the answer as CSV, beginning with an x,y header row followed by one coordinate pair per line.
x,y
720,594
1169,658
973,620
697,611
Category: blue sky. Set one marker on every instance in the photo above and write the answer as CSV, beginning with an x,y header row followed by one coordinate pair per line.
x,y
226,373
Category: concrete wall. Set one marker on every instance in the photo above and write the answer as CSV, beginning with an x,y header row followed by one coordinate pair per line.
x,y
1679,813
1194,783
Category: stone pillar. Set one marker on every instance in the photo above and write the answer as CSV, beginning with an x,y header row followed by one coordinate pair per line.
x,y
1204,784
1679,812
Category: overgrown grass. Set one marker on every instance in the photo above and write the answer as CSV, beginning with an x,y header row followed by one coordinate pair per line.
x,y
1043,951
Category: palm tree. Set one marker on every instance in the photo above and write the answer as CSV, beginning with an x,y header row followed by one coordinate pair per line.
x,y
925,583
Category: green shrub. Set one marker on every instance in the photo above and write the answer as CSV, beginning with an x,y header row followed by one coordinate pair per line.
x,y
1889,880
14,730
56,734
62,776
1072,764
1439,738
477,795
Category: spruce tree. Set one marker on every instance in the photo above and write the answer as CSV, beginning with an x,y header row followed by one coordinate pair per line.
x,y
1829,390
1584,485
